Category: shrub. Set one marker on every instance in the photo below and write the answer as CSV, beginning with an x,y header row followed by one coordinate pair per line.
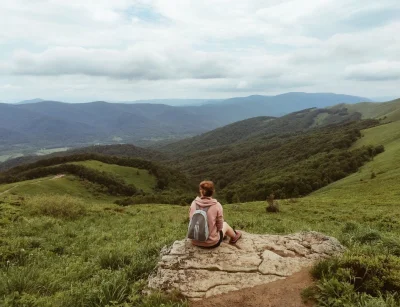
x,y
350,227
66,207
369,236
391,246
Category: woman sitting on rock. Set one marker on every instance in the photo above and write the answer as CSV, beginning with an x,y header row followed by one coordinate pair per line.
x,y
207,227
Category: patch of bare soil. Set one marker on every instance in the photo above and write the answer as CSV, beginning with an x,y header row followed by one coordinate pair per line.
x,y
281,293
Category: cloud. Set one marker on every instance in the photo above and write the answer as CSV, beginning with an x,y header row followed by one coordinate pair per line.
x,y
375,71
142,62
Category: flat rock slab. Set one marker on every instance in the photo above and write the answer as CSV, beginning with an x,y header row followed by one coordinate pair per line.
x,y
255,260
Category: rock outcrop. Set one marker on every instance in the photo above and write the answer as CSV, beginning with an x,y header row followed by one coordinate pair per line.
x,y
254,260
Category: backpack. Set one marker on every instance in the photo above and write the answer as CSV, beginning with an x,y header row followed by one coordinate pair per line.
x,y
198,226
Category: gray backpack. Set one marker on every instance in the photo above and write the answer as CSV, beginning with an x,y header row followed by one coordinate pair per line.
x,y
198,226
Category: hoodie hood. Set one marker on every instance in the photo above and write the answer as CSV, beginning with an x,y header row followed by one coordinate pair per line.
x,y
205,201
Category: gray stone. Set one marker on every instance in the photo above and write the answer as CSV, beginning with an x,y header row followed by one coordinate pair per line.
x,y
254,260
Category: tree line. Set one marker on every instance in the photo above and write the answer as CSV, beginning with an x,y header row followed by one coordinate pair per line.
x,y
166,178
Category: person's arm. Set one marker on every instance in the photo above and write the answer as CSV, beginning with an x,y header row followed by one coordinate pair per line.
x,y
220,217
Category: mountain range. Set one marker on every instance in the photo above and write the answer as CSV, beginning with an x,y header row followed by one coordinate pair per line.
x,y
51,123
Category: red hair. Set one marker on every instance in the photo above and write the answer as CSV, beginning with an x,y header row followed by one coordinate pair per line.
x,y
207,188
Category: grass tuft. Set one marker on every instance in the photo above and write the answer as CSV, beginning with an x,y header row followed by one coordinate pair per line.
x,y
114,259
65,207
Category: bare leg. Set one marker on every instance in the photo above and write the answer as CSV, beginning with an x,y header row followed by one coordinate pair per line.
x,y
227,230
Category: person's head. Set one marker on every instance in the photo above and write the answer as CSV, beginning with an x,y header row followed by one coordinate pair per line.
x,y
206,188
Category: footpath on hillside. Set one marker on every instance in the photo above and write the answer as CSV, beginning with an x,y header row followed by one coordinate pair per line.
x,y
256,260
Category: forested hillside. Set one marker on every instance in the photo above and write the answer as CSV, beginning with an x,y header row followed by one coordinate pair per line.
x,y
261,127
288,165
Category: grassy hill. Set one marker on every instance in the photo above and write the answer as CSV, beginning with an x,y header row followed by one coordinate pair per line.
x,y
67,185
101,176
388,111
378,180
131,175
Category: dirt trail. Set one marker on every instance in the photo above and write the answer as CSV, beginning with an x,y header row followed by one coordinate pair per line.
x,y
6,191
281,293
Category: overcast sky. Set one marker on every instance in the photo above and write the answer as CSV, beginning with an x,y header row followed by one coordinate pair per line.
x,y
81,50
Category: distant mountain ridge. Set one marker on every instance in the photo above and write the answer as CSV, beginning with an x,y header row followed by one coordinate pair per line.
x,y
35,100
52,123
175,102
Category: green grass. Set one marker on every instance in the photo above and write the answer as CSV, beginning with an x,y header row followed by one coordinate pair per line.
x,y
11,186
138,177
73,261
67,185
95,259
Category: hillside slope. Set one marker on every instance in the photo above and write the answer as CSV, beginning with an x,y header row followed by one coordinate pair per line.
x,y
388,111
378,180
288,165
101,175
260,127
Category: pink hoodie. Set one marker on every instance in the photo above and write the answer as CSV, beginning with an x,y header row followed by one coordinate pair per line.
x,y
215,218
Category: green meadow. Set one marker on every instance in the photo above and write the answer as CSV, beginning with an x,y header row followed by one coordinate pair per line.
x,y
131,175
